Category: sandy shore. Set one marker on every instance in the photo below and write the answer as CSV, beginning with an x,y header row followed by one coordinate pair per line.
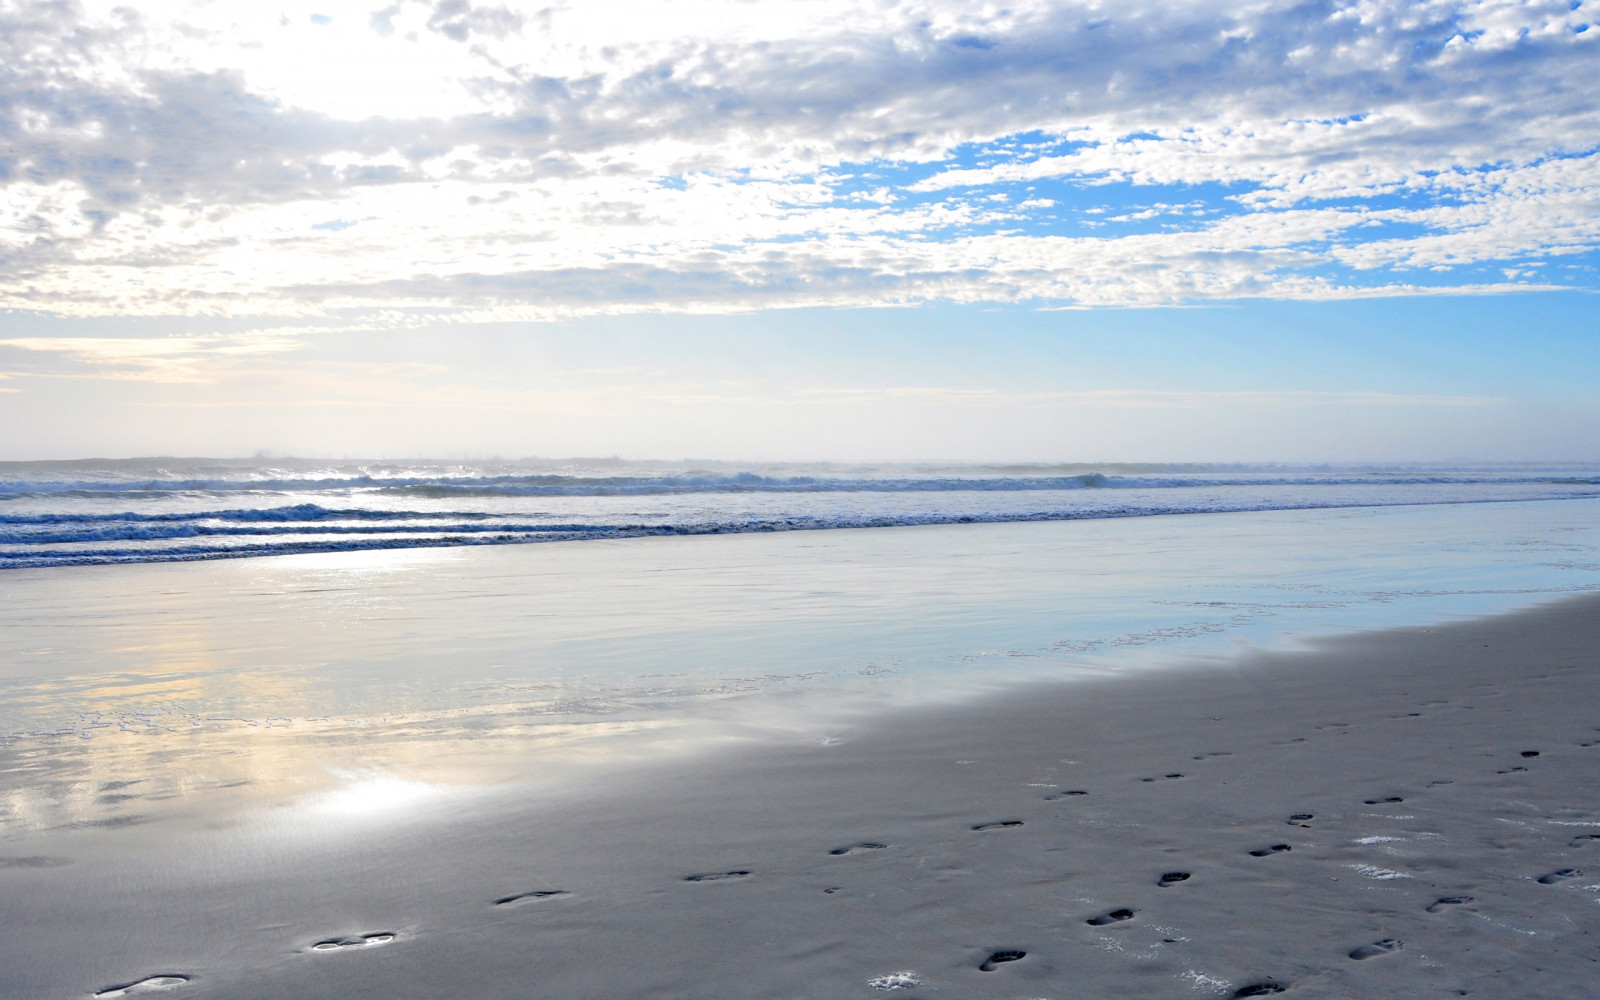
x,y
1396,814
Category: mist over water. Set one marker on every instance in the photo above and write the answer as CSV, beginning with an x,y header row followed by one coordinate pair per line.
x,y
155,510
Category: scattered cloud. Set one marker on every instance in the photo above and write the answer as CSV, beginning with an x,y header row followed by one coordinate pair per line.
x,y
541,161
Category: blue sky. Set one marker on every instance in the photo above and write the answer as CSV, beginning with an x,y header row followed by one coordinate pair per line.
x,y
727,229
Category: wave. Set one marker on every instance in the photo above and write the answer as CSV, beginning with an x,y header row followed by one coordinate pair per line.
x,y
304,512
330,539
436,487
132,532
545,485
151,510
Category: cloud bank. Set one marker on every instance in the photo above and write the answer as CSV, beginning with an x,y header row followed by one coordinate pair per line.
x,y
498,161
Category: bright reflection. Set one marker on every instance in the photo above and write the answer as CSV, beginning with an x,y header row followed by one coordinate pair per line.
x,y
376,797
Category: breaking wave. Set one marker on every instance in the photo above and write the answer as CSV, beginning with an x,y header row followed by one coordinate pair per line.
x,y
171,510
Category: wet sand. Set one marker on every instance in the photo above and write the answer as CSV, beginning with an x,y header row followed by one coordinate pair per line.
x,y
1393,814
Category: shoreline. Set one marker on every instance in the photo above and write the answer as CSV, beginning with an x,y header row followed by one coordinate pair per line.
x,y
897,859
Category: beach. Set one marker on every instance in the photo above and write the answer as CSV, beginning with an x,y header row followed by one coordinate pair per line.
x,y
1400,812
718,500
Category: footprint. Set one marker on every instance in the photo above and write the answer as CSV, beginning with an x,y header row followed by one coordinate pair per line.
x,y
996,959
1258,989
1440,781
1509,770
1559,875
1172,878
1300,817
865,845
1262,852
151,984
717,876
1068,793
1383,802
1445,902
373,940
1584,838
528,897
1530,753
1114,917
1000,825
1376,948
1168,777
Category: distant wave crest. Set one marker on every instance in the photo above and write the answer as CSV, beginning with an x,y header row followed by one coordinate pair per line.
x,y
562,485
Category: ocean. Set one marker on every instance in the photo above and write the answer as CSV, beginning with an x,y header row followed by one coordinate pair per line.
x,y
156,510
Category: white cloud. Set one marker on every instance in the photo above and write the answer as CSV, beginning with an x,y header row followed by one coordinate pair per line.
x,y
536,160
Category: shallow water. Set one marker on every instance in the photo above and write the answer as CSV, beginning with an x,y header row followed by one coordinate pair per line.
x,y
302,675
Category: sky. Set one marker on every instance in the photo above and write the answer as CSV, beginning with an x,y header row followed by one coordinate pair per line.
x,y
801,230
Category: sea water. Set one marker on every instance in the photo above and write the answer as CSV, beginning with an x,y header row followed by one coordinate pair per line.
x,y
144,510
172,682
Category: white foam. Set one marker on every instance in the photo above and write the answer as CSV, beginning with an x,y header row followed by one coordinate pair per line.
x,y
1373,871
1199,981
904,979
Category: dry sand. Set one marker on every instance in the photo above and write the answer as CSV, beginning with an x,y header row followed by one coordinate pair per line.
x,y
1397,814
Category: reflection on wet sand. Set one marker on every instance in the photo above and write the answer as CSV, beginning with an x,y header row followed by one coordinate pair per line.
x,y
126,774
